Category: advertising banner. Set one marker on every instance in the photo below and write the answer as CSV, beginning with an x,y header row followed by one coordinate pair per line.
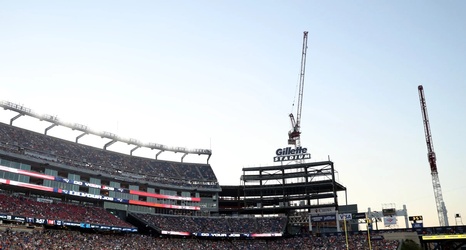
x,y
345,216
322,210
359,216
388,221
323,218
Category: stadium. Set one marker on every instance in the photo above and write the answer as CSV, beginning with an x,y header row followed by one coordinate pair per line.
x,y
60,194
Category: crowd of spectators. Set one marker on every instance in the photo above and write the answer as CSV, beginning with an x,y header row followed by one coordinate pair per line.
x,y
338,242
61,239
50,148
215,224
27,207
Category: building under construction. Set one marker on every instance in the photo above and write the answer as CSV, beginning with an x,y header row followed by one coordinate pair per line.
x,y
297,191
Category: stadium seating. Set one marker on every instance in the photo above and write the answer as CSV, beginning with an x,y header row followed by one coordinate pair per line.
x,y
18,140
23,206
215,224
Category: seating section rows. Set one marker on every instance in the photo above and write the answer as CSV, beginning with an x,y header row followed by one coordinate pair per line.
x,y
26,207
74,154
215,224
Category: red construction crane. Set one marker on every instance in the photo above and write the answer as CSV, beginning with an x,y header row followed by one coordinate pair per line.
x,y
441,209
295,133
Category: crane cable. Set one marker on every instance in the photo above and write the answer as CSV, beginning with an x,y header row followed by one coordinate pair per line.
x,y
295,94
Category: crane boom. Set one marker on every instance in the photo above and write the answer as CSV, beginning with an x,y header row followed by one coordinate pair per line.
x,y
295,133
441,209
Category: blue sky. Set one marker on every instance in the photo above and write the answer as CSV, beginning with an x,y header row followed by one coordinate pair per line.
x,y
223,75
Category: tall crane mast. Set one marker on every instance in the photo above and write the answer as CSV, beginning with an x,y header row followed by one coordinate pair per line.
x,y
294,134
441,209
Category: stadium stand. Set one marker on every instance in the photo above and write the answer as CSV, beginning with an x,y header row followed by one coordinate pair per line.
x,y
18,140
24,206
215,224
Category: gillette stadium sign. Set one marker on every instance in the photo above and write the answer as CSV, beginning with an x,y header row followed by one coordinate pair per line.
x,y
291,154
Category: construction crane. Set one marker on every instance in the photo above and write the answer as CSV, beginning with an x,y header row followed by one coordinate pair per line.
x,y
441,209
295,133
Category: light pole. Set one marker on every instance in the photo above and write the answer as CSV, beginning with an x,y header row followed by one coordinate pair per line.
x,y
458,218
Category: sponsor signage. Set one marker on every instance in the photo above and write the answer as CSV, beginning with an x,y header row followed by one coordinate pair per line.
x,y
377,237
19,218
444,237
345,216
291,154
227,235
87,195
387,221
359,216
323,210
417,225
323,218
12,217
73,224
39,221
85,225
